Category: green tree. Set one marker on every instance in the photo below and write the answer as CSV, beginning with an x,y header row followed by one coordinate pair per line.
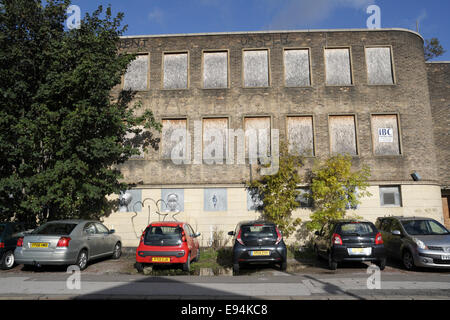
x,y
334,187
433,49
62,133
278,192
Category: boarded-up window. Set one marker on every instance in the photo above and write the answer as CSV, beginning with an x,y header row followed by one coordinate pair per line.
x,y
175,70
379,66
256,68
343,134
390,196
300,135
215,139
385,137
296,68
257,137
172,132
136,76
215,70
139,141
338,67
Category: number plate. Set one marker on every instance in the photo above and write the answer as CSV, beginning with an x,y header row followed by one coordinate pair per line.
x,y
260,253
445,257
360,251
160,259
39,245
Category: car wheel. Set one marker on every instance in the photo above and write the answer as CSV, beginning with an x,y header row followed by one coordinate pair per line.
x,y
187,264
117,251
236,268
381,264
408,260
7,261
283,266
82,260
139,267
331,263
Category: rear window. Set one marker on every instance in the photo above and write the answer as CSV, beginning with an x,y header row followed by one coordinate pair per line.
x,y
57,229
163,233
356,228
258,231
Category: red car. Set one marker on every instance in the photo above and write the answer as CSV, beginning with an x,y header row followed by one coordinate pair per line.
x,y
168,243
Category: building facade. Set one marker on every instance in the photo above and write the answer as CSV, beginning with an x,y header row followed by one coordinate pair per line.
x,y
361,92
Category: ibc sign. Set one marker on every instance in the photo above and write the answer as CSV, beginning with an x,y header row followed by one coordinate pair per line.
x,y
385,135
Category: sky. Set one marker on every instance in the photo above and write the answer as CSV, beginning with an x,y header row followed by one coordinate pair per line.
x,y
145,17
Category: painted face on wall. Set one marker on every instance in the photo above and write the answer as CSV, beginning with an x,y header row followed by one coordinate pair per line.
x,y
172,202
125,199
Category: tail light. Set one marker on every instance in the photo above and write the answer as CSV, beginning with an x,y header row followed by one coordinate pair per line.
x,y
238,238
20,242
2,245
279,237
183,236
336,239
378,238
63,242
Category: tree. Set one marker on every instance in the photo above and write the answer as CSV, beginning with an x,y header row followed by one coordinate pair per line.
x,y
334,187
433,49
62,134
278,192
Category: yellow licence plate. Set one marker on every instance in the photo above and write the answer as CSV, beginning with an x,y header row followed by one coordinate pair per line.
x,y
39,245
160,259
260,253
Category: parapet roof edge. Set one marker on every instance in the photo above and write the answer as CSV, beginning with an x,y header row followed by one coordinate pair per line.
x,y
271,31
437,62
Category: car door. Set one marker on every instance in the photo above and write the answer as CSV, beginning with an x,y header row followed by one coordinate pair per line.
x,y
190,240
395,242
194,239
321,240
385,230
93,239
107,242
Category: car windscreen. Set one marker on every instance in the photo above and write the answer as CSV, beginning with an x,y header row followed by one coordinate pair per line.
x,y
356,228
56,229
258,231
163,233
424,227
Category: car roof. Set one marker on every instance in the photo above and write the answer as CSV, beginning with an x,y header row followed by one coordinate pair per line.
x,y
167,223
350,220
256,222
406,218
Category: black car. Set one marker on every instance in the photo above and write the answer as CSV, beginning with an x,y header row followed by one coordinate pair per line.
x,y
258,242
9,233
350,240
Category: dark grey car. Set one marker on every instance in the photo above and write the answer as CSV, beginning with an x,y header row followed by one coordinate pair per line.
x,y
68,242
417,241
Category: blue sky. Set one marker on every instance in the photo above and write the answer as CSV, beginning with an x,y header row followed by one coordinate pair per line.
x,y
199,16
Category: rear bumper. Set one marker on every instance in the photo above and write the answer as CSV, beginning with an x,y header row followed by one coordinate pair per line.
x,y
175,256
56,257
243,254
340,254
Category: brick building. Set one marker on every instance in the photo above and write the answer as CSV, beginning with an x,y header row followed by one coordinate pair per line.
x,y
368,93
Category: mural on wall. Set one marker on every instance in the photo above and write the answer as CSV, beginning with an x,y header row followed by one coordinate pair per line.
x,y
130,200
173,200
254,201
215,199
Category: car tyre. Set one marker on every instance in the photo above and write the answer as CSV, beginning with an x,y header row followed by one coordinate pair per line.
x,y
408,260
187,264
235,268
331,263
82,260
283,266
381,264
139,267
117,251
7,261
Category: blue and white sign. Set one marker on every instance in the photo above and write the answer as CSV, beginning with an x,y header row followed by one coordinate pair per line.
x,y
385,135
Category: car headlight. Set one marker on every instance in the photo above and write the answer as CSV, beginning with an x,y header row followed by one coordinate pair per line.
x,y
420,243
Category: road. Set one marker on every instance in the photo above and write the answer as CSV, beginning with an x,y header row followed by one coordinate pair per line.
x,y
268,284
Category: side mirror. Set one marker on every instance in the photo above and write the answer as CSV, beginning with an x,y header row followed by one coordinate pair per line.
x,y
317,233
231,233
111,231
196,235
396,233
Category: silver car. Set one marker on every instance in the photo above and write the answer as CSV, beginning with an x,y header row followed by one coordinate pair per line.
x,y
67,242
417,241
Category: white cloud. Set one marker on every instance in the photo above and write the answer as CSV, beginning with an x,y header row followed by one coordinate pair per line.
x,y
156,15
294,13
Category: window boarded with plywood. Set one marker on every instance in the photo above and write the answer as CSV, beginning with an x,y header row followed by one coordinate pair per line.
x,y
256,68
171,135
136,76
176,70
385,134
338,67
300,135
379,66
215,70
343,134
296,68
257,136
215,138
